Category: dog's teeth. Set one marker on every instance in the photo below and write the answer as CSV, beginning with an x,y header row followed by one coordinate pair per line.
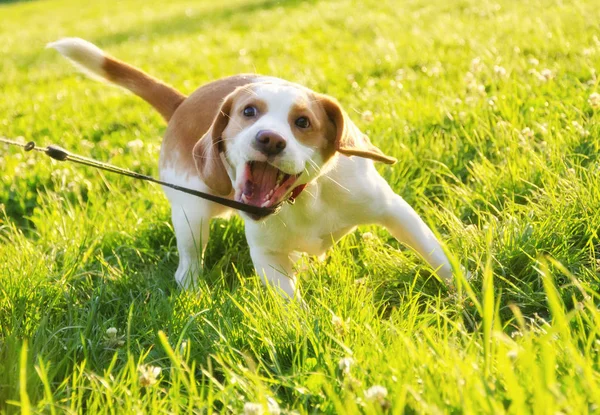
x,y
244,198
265,204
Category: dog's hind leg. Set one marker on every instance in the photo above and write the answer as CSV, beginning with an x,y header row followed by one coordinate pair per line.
x,y
276,269
406,226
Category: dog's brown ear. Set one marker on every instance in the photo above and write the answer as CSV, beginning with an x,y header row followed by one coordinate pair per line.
x,y
349,140
207,152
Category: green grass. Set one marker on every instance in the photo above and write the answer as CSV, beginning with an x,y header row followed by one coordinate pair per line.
x,y
503,162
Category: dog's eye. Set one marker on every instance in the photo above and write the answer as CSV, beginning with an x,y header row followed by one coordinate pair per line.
x,y
250,111
302,122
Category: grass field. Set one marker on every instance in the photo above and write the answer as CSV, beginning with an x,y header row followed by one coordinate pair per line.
x,y
492,109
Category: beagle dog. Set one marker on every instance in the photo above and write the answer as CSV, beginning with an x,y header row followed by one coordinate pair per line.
x,y
262,140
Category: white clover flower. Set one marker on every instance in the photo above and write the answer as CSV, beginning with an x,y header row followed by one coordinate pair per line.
x,y
527,132
533,61
345,364
367,236
367,116
251,408
471,228
476,65
339,325
543,128
135,144
378,394
148,375
579,128
594,100
473,85
469,77
546,74
336,321
503,124
500,71
86,144
112,340
537,75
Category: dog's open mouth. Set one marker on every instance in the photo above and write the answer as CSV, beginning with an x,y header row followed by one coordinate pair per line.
x,y
265,185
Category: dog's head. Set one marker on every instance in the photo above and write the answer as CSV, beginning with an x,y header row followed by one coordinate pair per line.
x,y
269,138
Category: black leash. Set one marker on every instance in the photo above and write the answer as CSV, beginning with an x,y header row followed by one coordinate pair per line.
x,y
60,154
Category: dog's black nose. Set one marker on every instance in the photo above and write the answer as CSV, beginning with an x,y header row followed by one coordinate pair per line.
x,y
269,142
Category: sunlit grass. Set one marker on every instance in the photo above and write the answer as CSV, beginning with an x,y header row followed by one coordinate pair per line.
x,y
492,110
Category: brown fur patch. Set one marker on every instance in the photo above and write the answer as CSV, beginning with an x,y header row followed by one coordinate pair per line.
x,y
349,140
238,122
161,96
192,120
321,132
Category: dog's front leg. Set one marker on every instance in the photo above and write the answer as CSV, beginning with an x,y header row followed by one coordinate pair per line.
x,y
192,229
406,226
276,269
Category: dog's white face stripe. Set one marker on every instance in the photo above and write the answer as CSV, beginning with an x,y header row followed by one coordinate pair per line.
x,y
280,101
276,103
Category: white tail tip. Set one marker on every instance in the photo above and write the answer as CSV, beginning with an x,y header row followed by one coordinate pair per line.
x,y
87,55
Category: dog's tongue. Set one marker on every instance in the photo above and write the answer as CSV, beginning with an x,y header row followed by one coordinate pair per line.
x,y
260,183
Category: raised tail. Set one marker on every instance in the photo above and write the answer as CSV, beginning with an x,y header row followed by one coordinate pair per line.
x,y
95,62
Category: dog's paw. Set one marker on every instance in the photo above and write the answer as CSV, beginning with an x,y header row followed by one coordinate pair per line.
x,y
186,278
